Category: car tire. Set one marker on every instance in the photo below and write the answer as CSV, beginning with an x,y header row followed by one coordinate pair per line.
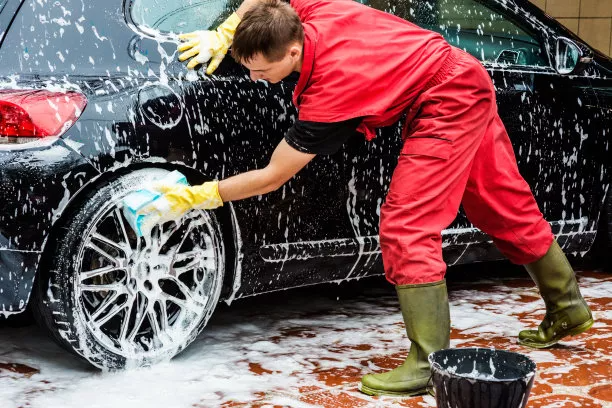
x,y
119,300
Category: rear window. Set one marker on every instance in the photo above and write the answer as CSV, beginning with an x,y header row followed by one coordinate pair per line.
x,y
7,12
180,16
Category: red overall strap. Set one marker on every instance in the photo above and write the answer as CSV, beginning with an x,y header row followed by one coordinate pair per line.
x,y
361,62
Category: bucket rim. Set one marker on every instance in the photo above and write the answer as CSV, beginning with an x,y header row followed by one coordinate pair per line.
x,y
435,366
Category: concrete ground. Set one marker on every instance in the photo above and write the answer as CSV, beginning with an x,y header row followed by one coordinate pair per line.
x,y
309,347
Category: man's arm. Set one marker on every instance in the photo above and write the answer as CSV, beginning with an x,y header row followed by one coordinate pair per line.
x,y
284,164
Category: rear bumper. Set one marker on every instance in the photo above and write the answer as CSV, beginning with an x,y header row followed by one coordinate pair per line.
x,y
17,272
36,185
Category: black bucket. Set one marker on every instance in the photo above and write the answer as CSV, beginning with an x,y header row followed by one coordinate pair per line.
x,y
481,378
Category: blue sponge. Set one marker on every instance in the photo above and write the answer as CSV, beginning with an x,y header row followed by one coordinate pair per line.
x,y
136,200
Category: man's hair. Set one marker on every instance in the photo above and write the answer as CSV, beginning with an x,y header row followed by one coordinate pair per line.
x,y
269,28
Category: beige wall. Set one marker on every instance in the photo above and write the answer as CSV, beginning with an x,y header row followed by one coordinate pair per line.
x,y
590,19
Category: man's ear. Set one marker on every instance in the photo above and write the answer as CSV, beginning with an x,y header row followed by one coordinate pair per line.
x,y
295,51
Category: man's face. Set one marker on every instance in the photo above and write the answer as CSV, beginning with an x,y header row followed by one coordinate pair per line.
x,y
273,72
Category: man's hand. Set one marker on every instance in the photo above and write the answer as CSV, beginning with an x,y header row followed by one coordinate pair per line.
x,y
178,199
202,46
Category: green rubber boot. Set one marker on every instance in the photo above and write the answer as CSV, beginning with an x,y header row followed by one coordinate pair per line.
x,y
426,315
567,313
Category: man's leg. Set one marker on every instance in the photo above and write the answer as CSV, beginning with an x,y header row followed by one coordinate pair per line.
x,y
410,236
423,199
499,202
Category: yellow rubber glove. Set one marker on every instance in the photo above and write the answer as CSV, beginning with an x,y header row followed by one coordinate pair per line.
x,y
203,45
178,199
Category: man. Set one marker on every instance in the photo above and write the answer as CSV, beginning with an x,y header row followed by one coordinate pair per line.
x,y
361,69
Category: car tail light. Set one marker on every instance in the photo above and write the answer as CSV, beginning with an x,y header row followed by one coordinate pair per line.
x,y
28,115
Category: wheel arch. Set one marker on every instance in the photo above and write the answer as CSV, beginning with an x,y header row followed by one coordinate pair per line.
x,y
226,215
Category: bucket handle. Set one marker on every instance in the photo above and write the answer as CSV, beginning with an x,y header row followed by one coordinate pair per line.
x,y
430,387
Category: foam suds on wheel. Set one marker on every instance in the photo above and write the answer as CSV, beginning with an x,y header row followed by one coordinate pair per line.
x,y
193,310
177,267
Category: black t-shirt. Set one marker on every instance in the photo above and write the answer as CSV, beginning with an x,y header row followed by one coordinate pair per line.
x,y
320,138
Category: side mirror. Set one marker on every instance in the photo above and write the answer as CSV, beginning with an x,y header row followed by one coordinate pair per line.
x,y
570,57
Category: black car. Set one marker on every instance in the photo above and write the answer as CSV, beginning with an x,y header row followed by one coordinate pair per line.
x,y
94,104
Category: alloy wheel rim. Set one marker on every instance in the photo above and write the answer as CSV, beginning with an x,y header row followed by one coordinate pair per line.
x,y
144,298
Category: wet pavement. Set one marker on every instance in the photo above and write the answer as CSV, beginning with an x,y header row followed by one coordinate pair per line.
x,y
309,348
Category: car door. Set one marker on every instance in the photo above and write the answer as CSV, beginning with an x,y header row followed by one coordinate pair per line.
x,y
546,115
232,124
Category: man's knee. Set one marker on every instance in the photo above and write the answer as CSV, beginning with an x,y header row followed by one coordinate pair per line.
x,y
412,259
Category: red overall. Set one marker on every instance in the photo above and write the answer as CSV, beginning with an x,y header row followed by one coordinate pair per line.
x,y
360,62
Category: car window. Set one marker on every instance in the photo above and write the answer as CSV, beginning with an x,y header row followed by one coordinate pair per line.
x,y
180,16
5,17
472,26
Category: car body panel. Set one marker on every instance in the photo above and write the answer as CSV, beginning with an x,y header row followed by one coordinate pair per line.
x,y
36,184
17,271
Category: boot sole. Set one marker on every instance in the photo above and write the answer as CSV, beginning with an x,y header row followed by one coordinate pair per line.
x,y
375,392
572,332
